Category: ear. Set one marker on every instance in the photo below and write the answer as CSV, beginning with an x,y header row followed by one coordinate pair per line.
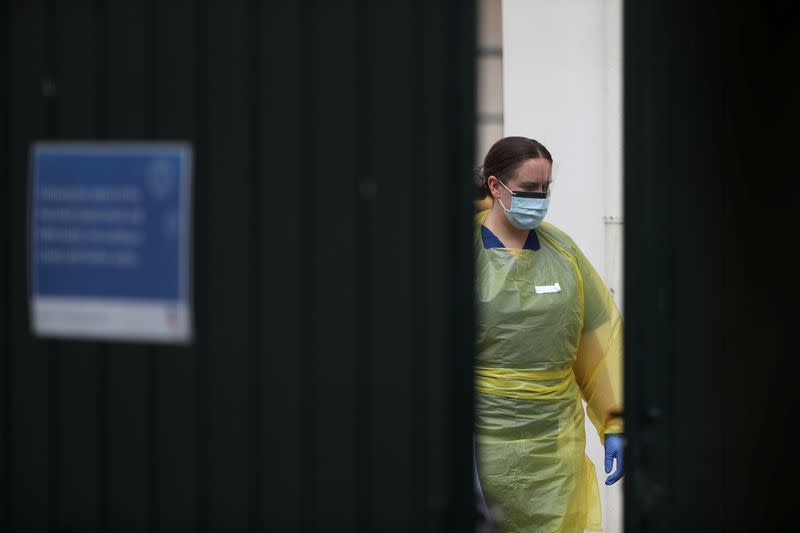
x,y
494,186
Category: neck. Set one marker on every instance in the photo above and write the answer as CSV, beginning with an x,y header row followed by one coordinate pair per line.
x,y
508,233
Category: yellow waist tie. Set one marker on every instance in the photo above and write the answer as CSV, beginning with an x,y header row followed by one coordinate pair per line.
x,y
522,383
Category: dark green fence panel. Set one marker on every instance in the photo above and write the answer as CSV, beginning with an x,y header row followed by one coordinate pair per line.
x,y
329,385
711,111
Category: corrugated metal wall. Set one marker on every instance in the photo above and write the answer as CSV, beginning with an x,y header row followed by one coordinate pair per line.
x,y
329,387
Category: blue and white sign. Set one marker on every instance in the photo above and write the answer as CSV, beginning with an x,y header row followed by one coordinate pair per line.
x,y
110,230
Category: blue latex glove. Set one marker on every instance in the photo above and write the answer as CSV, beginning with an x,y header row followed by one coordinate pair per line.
x,y
614,450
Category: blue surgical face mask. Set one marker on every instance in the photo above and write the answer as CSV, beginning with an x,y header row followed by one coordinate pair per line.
x,y
527,208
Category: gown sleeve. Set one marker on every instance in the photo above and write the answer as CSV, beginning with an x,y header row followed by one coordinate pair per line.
x,y
598,364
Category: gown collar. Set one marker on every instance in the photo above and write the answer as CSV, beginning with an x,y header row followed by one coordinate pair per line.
x,y
490,240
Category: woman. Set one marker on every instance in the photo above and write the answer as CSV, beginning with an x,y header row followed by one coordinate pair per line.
x,y
548,335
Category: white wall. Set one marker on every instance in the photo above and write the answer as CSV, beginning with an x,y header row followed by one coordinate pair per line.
x,y
562,85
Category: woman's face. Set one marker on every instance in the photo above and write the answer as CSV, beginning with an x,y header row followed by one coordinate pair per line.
x,y
534,175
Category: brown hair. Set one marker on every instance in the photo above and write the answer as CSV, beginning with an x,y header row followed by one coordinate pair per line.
x,y
504,158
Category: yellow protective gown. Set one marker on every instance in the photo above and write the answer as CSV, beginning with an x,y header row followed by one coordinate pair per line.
x,y
538,354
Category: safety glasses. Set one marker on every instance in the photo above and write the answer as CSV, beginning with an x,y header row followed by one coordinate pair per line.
x,y
525,194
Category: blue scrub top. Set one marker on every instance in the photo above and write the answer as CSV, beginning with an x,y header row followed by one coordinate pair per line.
x,y
490,240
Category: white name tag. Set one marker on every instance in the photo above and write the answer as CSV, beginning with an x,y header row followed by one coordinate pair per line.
x,y
545,289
